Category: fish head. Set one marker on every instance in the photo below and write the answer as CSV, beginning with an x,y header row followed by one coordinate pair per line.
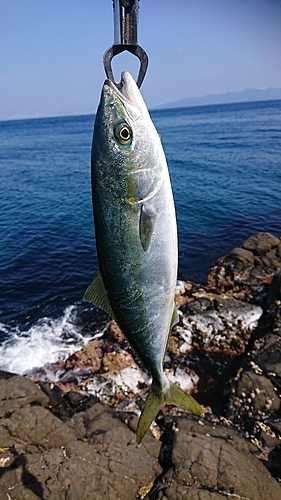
x,y
127,153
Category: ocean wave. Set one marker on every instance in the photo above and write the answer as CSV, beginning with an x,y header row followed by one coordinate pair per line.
x,y
47,341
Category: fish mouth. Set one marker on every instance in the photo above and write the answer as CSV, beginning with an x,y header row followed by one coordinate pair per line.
x,y
129,94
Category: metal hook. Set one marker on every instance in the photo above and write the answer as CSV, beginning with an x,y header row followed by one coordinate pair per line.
x,y
125,38
117,49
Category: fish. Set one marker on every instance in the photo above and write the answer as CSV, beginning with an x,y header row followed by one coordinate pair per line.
x,y
136,237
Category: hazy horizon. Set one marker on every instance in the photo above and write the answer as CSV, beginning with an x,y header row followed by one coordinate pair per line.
x,y
167,105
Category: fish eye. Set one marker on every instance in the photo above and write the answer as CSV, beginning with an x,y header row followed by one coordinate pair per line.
x,y
123,133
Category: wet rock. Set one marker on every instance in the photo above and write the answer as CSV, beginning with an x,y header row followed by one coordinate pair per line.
x,y
218,464
89,356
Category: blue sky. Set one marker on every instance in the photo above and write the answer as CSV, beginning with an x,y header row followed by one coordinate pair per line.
x,y
51,51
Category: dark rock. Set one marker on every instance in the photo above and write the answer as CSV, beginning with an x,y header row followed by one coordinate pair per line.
x,y
271,260
16,392
247,271
94,455
269,358
261,243
196,306
242,259
6,375
268,440
276,427
218,464
253,398
274,462
274,292
34,426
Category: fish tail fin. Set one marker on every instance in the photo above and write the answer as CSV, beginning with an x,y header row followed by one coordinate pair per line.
x,y
157,398
176,396
154,403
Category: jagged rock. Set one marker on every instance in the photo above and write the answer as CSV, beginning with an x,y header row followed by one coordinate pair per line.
x,y
222,325
242,259
63,444
89,356
91,456
249,269
113,331
186,378
274,292
269,358
218,464
261,243
17,392
34,426
115,361
274,462
252,399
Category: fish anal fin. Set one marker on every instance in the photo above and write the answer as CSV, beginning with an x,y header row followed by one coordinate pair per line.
x,y
96,294
156,399
146,224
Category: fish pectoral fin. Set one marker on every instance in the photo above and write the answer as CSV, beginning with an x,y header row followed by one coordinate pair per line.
x,y
97,295
146,225
156,399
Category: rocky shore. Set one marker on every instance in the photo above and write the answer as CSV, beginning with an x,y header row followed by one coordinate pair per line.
x,y
74,437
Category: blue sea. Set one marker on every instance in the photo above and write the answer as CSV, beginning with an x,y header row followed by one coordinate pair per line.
x,y
225,167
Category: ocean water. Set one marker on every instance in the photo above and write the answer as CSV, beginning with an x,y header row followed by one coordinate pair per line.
x,y
225,167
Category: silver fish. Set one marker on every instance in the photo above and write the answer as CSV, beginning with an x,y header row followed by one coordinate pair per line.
x,y
136,237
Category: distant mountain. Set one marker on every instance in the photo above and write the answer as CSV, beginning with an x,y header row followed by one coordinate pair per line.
x,y
246,95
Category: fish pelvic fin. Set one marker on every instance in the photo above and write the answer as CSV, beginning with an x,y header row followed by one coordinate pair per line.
x,y
157,398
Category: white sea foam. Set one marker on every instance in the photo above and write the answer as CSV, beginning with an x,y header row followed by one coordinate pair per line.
x,y
47,341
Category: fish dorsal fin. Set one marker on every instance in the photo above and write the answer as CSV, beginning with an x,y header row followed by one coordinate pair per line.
x,y
97,295
146,225
175,318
